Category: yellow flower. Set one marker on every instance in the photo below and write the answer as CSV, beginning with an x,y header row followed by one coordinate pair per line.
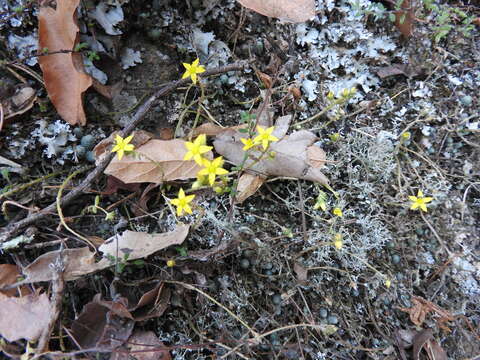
x,y
264,136
182,202
196,149
337,211
192,70
122,145
249,143
419,201
388,283
406,135
170,263
212,169
337,241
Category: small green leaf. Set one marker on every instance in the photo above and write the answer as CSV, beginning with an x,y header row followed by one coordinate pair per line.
x,y
391,17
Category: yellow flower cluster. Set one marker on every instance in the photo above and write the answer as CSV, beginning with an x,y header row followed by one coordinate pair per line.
x,y
263,138
207,175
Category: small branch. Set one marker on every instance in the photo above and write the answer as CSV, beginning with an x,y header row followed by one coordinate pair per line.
x,y
58,267
14,229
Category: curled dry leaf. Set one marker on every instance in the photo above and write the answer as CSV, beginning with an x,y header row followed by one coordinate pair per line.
x,y
103,324
24,317
81,261
157,161
424,340
248,184
290,159
63,73
301,271
9,274
143,345
421,308
18,103
295,156
285,10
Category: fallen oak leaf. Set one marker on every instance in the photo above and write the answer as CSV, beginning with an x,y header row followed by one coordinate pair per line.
x,y
285,10
81,261
290,156
24,317
404,17
248,184
140,244
143,345
18,103
103,324
63,73
424,340
157,161
9,274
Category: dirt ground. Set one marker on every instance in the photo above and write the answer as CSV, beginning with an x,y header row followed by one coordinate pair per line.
x,y
263,279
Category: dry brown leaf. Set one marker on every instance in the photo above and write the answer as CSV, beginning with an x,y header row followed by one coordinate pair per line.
x,y
8,275
316,157
103,148
63,73
25,317
301,271
18,103
290,160
143,345
78,262
152,304
158,161
103,324
81,261
424,340
404,18
139,244
211,129
285,10
266,79
422,307
248,184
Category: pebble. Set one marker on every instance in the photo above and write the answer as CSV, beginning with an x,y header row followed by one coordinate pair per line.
x,y
78,132
244,263
396,259
267,266
90,156
323,313
466,100
332,320
87,141
277,299
80,151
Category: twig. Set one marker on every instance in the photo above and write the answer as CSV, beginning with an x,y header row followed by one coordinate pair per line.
x,y
302,207
434,232
58,267
14,229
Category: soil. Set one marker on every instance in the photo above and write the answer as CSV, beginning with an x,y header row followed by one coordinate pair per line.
x,y
268,281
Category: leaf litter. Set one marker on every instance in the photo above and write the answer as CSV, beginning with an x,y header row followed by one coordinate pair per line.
x,y
63,73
